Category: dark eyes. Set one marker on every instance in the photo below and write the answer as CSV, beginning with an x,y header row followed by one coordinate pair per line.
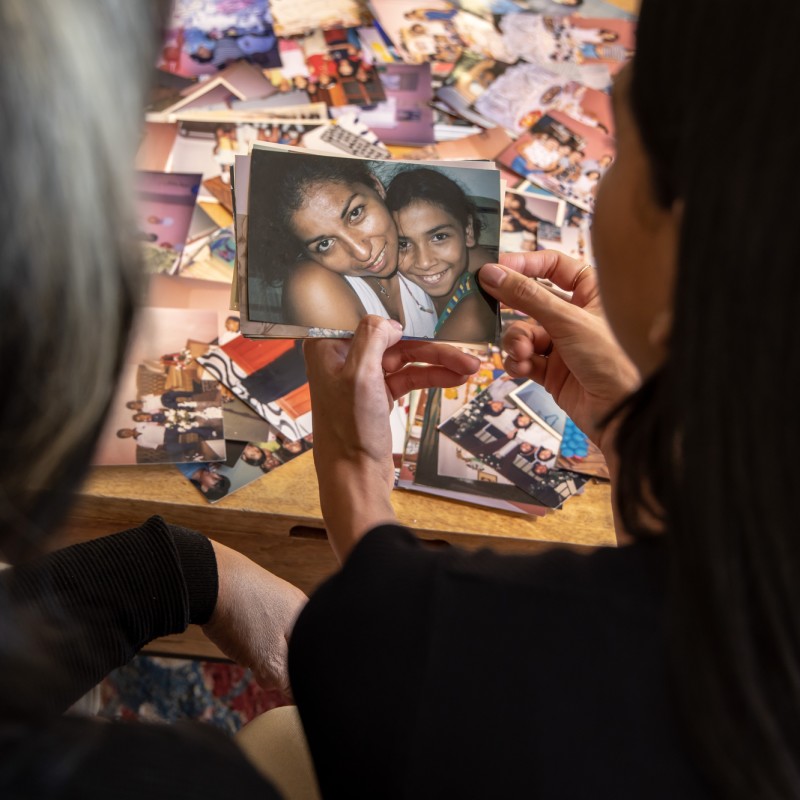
x,y
407,244
354,215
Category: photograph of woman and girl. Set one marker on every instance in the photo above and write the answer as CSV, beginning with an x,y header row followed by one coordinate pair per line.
x,y
332,239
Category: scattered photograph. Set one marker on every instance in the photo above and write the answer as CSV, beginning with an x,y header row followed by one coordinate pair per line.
x,y
513,442
269,375
211,257
539,404
209,148
246,462
339,74
542,221
471,76
332,239
421,33
557,43
292,18
405,117
165,203
167,409
203,36
579,454
482,146
440,465
524,93
563,156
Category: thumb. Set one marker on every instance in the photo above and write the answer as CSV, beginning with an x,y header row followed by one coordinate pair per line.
x,y
525,294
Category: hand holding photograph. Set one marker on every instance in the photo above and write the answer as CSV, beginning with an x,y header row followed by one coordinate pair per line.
x,y
331,239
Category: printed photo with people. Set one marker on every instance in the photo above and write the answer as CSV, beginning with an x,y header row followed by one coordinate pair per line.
x,y
515,442
332,239
245,463
203,36
167,409
562,155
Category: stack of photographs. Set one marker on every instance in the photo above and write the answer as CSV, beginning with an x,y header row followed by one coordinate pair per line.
x,y
325,240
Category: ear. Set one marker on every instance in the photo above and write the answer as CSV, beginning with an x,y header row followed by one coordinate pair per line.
x,y
469,233
378,187
660,329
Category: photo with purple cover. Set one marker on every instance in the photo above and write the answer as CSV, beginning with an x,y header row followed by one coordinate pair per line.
x,y
165,203
203,36
405,117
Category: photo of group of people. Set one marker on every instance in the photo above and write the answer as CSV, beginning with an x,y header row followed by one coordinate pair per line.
x,y
246,461
208,35
563,156
422,32
508,435
167,409
331,239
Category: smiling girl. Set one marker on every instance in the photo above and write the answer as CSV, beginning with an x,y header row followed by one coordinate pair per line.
x,y
439,229
329,245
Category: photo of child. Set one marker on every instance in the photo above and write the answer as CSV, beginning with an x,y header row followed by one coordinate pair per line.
x,y
331,239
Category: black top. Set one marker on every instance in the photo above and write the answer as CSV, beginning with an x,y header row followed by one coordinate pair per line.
x,y
430,673
66,621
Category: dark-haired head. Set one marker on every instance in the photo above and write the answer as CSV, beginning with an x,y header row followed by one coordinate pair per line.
x,y
423,184
211,483
219,489
253,455
721,488
295,181
202,54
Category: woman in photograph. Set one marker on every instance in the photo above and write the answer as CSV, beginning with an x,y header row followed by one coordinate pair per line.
x,y
332,245
439,229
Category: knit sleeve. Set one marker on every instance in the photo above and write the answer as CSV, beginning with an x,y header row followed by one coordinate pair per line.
x,y
90,607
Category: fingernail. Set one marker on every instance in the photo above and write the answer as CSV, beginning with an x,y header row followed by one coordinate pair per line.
x,y
395,324
492,275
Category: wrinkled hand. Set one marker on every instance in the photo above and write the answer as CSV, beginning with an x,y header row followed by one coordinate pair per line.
x,y
354,383
253,619
567,346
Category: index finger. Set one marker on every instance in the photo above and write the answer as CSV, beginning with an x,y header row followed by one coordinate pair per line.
x,y
565,272
445,355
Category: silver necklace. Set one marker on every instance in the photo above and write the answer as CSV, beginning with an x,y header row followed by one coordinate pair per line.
x,y
428,310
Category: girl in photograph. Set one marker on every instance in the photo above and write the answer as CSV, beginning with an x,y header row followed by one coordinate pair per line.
x,y
439,229
332,245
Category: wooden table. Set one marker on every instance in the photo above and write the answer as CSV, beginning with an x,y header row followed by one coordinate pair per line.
x,y
276,521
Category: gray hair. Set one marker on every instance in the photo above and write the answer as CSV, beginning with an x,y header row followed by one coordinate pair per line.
x,y
72,86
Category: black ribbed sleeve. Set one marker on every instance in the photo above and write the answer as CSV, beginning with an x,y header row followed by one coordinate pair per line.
x,y
92,606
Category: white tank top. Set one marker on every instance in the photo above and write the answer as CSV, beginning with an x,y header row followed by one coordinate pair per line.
x,y
418,310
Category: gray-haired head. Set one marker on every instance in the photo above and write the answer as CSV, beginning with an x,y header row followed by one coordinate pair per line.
x,y
72,85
